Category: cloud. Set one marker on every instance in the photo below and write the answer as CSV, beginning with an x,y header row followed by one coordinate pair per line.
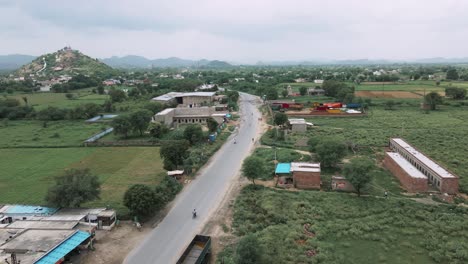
x,y
238,30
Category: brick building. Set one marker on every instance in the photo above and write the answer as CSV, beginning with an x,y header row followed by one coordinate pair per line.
x,y
340,183
410,177
437,176
192,99
301,175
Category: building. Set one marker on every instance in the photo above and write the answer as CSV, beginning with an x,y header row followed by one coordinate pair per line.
x,y
298,124
410,178
174,117
314,91
340,183
437,176
301,175
318,81
207,87
193,99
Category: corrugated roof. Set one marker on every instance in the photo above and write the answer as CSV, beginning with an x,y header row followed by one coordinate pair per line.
x,y
305,166
64,248
283,168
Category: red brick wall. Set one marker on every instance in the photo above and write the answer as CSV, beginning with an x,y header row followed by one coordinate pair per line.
x,y
409,183
306,180
449,185
342,185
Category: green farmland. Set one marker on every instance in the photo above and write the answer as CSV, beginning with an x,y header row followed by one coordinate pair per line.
x,y
32,133
26,174
321,227
43,100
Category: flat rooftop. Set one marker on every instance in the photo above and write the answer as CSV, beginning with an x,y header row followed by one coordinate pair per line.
x,y
165,111
27,210
6,233
442,172
172,95
412,171
297,121
46,225
37,240
305,166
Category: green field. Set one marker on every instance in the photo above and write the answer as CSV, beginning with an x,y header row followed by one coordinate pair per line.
x,y
347,229
32,133
26,174
43,100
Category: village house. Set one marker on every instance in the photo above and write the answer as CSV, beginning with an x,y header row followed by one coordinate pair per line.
x,y
315,91
301,175
409,160
175,117
298,125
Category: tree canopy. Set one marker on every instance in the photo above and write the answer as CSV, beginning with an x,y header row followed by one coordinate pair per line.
x,y
139,119
358,173
157,129
174,152
280,119
455,93
122,125
248,250
141,200
330,152
452,74
75,187
193,134
433,99
212,124
254,168
303,90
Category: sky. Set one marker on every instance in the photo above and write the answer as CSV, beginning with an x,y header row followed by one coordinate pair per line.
x,y
238,30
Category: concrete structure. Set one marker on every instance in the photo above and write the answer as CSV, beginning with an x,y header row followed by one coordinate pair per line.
x,y
410,177
298,125
315,91
439,177
301,175
340,183
193,99
184,116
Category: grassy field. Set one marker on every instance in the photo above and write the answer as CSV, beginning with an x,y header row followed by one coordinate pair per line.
x,y
342,228
43,100
32,133
27,173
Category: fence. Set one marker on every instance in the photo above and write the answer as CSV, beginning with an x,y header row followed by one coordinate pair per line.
x,y
98,136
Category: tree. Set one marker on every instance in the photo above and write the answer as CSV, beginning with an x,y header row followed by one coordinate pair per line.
x,y
75,187
330,152
117,95
52,113
122,125
157,129
140,120
280,119
248,250
271,94
141,200
433,99
100,89
193,134
91,110
69,96
455,93
358,173
303,90
452,74
254,168
174,152
212,124
333,87
284,93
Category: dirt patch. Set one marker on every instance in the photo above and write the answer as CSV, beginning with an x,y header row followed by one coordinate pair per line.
x,y
111,247
387,94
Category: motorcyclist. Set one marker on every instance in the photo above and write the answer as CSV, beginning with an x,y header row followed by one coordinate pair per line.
x,y
194,213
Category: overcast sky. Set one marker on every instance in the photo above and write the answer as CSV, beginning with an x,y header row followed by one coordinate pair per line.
x,y
238,30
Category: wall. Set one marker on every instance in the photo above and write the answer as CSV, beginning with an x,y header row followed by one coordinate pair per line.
x,y
342,184
409,183
196,101
449,185
306,180
299,128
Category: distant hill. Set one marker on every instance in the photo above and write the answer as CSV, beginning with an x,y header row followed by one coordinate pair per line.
x,y
133,61
14,61
64,61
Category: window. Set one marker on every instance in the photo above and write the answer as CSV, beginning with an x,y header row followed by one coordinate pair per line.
x,y
438,183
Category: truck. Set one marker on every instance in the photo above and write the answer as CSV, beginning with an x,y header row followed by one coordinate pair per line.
x,y
197,251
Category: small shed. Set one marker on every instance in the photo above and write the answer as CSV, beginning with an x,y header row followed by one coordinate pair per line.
x,y
306,175
340,183
177,174
298,124
283,172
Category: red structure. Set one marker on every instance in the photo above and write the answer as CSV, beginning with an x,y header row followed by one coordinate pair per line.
x,y
410,177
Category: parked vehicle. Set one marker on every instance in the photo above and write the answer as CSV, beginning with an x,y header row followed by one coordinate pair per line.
x,y
197,251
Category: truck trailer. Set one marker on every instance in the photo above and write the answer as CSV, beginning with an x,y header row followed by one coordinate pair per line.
x,y
197,251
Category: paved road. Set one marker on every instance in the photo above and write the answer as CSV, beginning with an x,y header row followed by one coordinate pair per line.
x,y
169,239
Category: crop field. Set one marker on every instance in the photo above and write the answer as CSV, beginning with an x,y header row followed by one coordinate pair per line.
x,y
43,100
324,227
26,174
32,133
388,94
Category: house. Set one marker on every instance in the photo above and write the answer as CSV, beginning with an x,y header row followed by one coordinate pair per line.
x,y
298,124
436,175
207,87
318,81
192,99
301,175
178,77
300,80
315,91
175,117
410,177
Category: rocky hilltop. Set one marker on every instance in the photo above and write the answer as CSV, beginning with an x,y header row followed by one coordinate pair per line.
x,y
64,61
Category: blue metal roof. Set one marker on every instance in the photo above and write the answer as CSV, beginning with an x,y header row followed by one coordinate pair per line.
x,y
64,248
283,168
29,209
